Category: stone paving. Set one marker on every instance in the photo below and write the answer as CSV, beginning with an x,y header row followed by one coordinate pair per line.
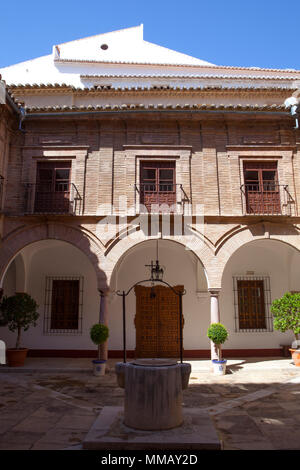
x,y
52,403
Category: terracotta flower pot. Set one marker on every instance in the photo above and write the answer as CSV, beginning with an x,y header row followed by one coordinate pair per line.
x,y
296,356
16,357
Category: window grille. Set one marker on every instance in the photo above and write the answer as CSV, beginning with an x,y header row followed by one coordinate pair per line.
x,y
252,300
63,305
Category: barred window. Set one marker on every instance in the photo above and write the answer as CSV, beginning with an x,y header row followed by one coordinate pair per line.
x,y
252,299
63,305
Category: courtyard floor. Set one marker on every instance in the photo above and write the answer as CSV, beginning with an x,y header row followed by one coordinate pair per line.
x,y
51,403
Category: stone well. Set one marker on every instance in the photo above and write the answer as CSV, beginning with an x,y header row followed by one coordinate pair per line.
x,y
153,392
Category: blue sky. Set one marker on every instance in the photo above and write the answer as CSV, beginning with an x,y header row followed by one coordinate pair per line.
x,y
260,33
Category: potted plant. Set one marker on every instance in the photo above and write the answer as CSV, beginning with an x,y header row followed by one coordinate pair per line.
x,y
18,312
218,334
286,314
99,334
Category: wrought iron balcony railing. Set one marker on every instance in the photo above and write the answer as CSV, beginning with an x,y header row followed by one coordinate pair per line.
x,y
160,198
65,199
268,198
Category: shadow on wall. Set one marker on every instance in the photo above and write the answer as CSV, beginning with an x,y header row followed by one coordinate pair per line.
x,y
63,258
272,228
56,232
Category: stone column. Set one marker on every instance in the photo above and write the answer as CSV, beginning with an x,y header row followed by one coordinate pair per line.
x,y
103,318
214,316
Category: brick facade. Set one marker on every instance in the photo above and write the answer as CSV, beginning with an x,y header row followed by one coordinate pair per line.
x,y
105,167
107,132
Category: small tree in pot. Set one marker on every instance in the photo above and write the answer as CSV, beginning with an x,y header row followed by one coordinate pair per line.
x,y
18,312
218,334
99,333
286,314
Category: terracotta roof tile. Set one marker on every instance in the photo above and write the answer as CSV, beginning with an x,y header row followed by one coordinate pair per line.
x,y
200,76
154,88
157,107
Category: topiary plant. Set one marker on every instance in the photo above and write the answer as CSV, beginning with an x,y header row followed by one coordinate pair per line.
x,y
218,334
18,312
99,333
286,313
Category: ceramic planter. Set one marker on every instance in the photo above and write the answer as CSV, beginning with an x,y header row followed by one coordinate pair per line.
x,y
16,357
99,367
296,356
219,367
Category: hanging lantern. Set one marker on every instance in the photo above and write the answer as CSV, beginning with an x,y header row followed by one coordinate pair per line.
x,y
157,272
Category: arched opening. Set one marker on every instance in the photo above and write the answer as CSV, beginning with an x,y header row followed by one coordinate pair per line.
x,y
181,268
257,273
63,281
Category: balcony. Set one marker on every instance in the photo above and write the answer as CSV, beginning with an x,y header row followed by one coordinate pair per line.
x,y
268,198
163,198
64,199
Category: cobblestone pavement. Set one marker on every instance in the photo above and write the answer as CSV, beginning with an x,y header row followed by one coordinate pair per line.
x,y
255,406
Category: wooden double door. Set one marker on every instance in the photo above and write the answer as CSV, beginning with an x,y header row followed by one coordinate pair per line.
x,y
158,185
157,322
262,188
52,193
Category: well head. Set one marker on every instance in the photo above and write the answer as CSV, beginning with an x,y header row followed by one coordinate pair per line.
x,y
155,362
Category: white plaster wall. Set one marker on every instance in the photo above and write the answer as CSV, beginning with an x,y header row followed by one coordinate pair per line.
x,y
182,79
45,70
9,284
56,258
182,99
265,257
67,99
295,271
180,269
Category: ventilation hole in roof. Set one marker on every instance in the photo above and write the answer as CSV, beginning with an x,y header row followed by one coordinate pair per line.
x,y
104,47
